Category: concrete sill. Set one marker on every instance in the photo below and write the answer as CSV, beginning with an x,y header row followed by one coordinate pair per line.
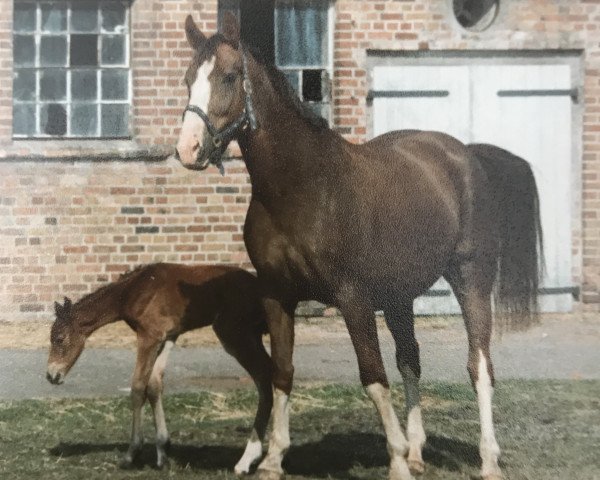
x,y
83,150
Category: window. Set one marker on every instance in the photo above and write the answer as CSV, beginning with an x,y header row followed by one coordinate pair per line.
x,y
71,69
296,36
475,15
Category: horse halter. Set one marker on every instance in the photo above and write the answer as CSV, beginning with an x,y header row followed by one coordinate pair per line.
x,y
221,138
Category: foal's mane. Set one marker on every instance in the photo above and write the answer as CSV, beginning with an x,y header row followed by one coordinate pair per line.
x,y
123,279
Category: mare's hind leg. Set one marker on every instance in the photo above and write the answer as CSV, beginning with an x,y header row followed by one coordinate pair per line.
x,y
154,392
473,292
400,321
360,321
147,351
247,348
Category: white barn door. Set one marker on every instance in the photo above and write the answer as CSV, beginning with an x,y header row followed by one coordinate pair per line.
x,y
525,109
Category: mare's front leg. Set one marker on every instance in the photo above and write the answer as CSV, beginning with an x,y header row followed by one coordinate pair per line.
x,y
147,351
155,389
360,320
280,318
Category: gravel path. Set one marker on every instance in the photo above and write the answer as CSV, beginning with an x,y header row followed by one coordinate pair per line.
x,y
560,348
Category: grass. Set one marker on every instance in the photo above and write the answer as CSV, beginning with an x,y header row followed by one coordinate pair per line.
x,y
547,429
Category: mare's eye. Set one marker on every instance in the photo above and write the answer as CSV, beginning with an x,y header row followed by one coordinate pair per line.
x,y
230,78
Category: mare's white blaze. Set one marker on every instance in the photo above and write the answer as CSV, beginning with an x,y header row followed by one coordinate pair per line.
x,y
414,426
280,436
396,442
192,130
488,447
251,454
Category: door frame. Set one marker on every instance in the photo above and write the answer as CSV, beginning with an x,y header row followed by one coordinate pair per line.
x,y
571,57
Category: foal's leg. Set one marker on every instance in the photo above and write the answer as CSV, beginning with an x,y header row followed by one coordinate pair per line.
x,y
360,321
155,389
477,312
280,317
147,351
400,321
247,348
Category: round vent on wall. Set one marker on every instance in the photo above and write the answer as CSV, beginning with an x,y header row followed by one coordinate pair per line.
x,y
475,15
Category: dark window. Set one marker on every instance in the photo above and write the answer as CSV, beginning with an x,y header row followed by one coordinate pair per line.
x,y
295,36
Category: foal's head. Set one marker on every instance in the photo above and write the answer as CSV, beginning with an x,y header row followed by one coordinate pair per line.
x,y
66,342
215,84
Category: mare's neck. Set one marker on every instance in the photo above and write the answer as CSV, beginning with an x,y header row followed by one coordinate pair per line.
x,y
99,308
286,149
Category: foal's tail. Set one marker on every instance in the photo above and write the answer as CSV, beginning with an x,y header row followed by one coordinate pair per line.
x,y
520,261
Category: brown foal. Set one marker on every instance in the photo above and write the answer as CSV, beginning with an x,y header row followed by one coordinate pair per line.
x,y
160,302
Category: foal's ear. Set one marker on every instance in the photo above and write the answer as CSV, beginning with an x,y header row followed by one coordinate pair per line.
x,y
58,309
68,304
231,28
195,37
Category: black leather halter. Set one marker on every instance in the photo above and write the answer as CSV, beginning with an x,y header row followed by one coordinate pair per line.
x,y
221,138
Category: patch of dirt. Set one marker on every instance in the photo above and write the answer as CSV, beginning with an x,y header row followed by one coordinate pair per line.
x,y
309,331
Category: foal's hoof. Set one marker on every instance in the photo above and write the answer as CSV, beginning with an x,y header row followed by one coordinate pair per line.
x,y
268,475
126,463
492,476
416,467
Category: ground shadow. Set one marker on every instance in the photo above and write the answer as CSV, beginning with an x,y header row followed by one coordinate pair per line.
x,y
333,456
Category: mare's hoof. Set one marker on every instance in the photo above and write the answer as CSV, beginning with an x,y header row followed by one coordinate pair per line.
x,y
268,475
162,464
492,476
416,467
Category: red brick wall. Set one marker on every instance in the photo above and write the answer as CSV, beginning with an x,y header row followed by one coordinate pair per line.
x,y
68,225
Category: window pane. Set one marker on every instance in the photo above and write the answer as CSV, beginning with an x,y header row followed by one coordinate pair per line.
x,y
84,50
113,50
83,85
113,17
84,119
301,32
53,51
53,119
293,78
53,84
24,17
115,119
24,85
115,84
54,17
23,50
84,17
23,119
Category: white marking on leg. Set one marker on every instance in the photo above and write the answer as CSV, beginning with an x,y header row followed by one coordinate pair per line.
x,y
280,436
396,441
192,129
155,397
488,447
414,426
252,453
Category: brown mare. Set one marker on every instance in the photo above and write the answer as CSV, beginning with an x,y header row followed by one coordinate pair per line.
x,y
160,302
364,227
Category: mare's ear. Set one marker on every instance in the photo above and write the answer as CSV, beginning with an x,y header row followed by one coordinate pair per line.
x,y
67,304
195,37
231,28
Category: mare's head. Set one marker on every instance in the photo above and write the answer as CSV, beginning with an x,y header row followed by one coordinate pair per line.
x,y
216,104
66,342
